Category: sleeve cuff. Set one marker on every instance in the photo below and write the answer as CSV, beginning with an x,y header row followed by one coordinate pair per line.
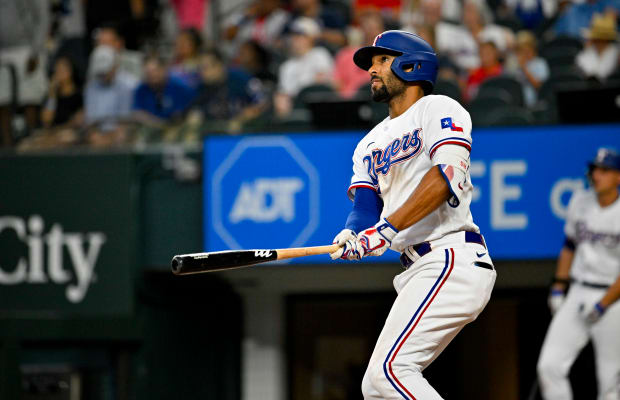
x,y
361,184
451,140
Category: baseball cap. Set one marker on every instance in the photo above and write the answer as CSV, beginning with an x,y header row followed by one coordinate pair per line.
x,y
606,158
305,26
103,59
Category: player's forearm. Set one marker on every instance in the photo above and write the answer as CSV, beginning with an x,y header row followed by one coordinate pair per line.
x,y
427,197
562,272
612,295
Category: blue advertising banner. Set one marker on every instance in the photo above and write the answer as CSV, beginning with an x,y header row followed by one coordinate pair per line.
x,y
290,190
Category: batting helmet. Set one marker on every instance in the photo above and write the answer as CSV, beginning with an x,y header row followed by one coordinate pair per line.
x,y
605,158
412,51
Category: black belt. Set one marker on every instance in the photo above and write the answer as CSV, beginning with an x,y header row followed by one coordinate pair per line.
x,y
590,284
424,248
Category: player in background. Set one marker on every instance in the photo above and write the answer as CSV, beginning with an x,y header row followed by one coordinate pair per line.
x,y
590,262
411,192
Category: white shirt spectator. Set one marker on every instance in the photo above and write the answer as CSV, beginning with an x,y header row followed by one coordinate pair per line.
x,y
107,103
311,68
460,45
598,65
539,68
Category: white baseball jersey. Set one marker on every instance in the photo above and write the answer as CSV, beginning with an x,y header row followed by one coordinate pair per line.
x,y
596,233
394,156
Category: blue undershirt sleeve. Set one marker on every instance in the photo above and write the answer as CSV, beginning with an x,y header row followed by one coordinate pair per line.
x,y
367,207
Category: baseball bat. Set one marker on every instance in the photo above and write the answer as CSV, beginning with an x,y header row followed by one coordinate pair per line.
x,y
185,264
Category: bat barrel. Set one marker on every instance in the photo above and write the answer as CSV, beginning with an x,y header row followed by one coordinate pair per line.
x,y
185,264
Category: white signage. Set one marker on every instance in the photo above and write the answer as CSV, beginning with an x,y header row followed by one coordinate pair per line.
x,y
266,200
83,250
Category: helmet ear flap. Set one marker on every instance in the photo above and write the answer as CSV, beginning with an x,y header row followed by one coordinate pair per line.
x,y
423,69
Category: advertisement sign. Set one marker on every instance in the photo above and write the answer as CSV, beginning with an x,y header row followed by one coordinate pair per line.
x,y
289,191
67,238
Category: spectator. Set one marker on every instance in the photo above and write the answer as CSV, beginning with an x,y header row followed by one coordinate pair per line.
x,y
415,13
63,106
490,66
332,23
187,57
578,16
107,99
527,13
599,58
348,77
448,70
160,97
390,10
531,71
256,61
308,65
62,113
23,81
263,21
190,13
227,97
137,18
130,61
460,42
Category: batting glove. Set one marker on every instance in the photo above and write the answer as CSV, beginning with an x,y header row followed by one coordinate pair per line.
x,y
555,300
595,313
376,240
349,248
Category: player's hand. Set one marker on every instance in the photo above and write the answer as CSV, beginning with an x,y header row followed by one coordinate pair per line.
x,y
347,240
595,313
376,240
555,300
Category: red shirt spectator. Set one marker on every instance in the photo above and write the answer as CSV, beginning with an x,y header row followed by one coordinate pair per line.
x,y
348,77
490,66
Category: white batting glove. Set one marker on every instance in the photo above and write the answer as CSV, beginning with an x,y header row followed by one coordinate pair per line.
x,y
595,313
376,240
348,250
555,300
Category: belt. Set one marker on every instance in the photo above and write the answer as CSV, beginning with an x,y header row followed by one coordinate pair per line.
x,y
419,250
590,284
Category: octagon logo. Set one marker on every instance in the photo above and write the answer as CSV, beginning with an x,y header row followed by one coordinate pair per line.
x,y
265,194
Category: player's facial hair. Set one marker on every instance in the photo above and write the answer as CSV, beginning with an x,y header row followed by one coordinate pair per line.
x,y
391,88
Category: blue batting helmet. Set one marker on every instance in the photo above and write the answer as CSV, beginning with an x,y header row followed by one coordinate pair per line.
x,y
605,158
412,51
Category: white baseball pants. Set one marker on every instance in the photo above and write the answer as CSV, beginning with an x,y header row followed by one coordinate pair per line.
x,y
437,296
568,334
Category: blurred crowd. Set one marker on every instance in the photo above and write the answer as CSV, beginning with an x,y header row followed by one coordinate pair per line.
x,y
126,72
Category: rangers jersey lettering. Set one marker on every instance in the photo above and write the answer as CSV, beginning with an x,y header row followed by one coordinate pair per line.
x,y
596,233
394,156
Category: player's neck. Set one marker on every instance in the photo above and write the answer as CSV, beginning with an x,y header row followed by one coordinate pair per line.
x,y
399,104
607,198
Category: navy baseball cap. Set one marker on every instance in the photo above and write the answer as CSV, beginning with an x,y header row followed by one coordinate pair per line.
x,y
606,158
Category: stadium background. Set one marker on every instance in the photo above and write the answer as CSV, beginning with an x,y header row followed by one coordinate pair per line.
x,y
89,309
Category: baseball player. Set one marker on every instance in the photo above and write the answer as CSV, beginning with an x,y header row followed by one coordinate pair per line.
x,y
590,262
411,192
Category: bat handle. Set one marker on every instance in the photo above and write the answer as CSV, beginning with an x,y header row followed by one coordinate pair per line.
x,y
306,251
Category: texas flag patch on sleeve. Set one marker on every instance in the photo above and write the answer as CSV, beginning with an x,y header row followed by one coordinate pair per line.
x,y
447,123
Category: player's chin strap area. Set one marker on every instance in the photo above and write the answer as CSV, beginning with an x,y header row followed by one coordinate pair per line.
x,y
414,252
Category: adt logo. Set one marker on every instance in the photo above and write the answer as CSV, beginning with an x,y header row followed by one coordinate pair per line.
x,y
264,194
253,198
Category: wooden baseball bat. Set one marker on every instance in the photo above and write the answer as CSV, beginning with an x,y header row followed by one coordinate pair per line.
x,y
185,264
